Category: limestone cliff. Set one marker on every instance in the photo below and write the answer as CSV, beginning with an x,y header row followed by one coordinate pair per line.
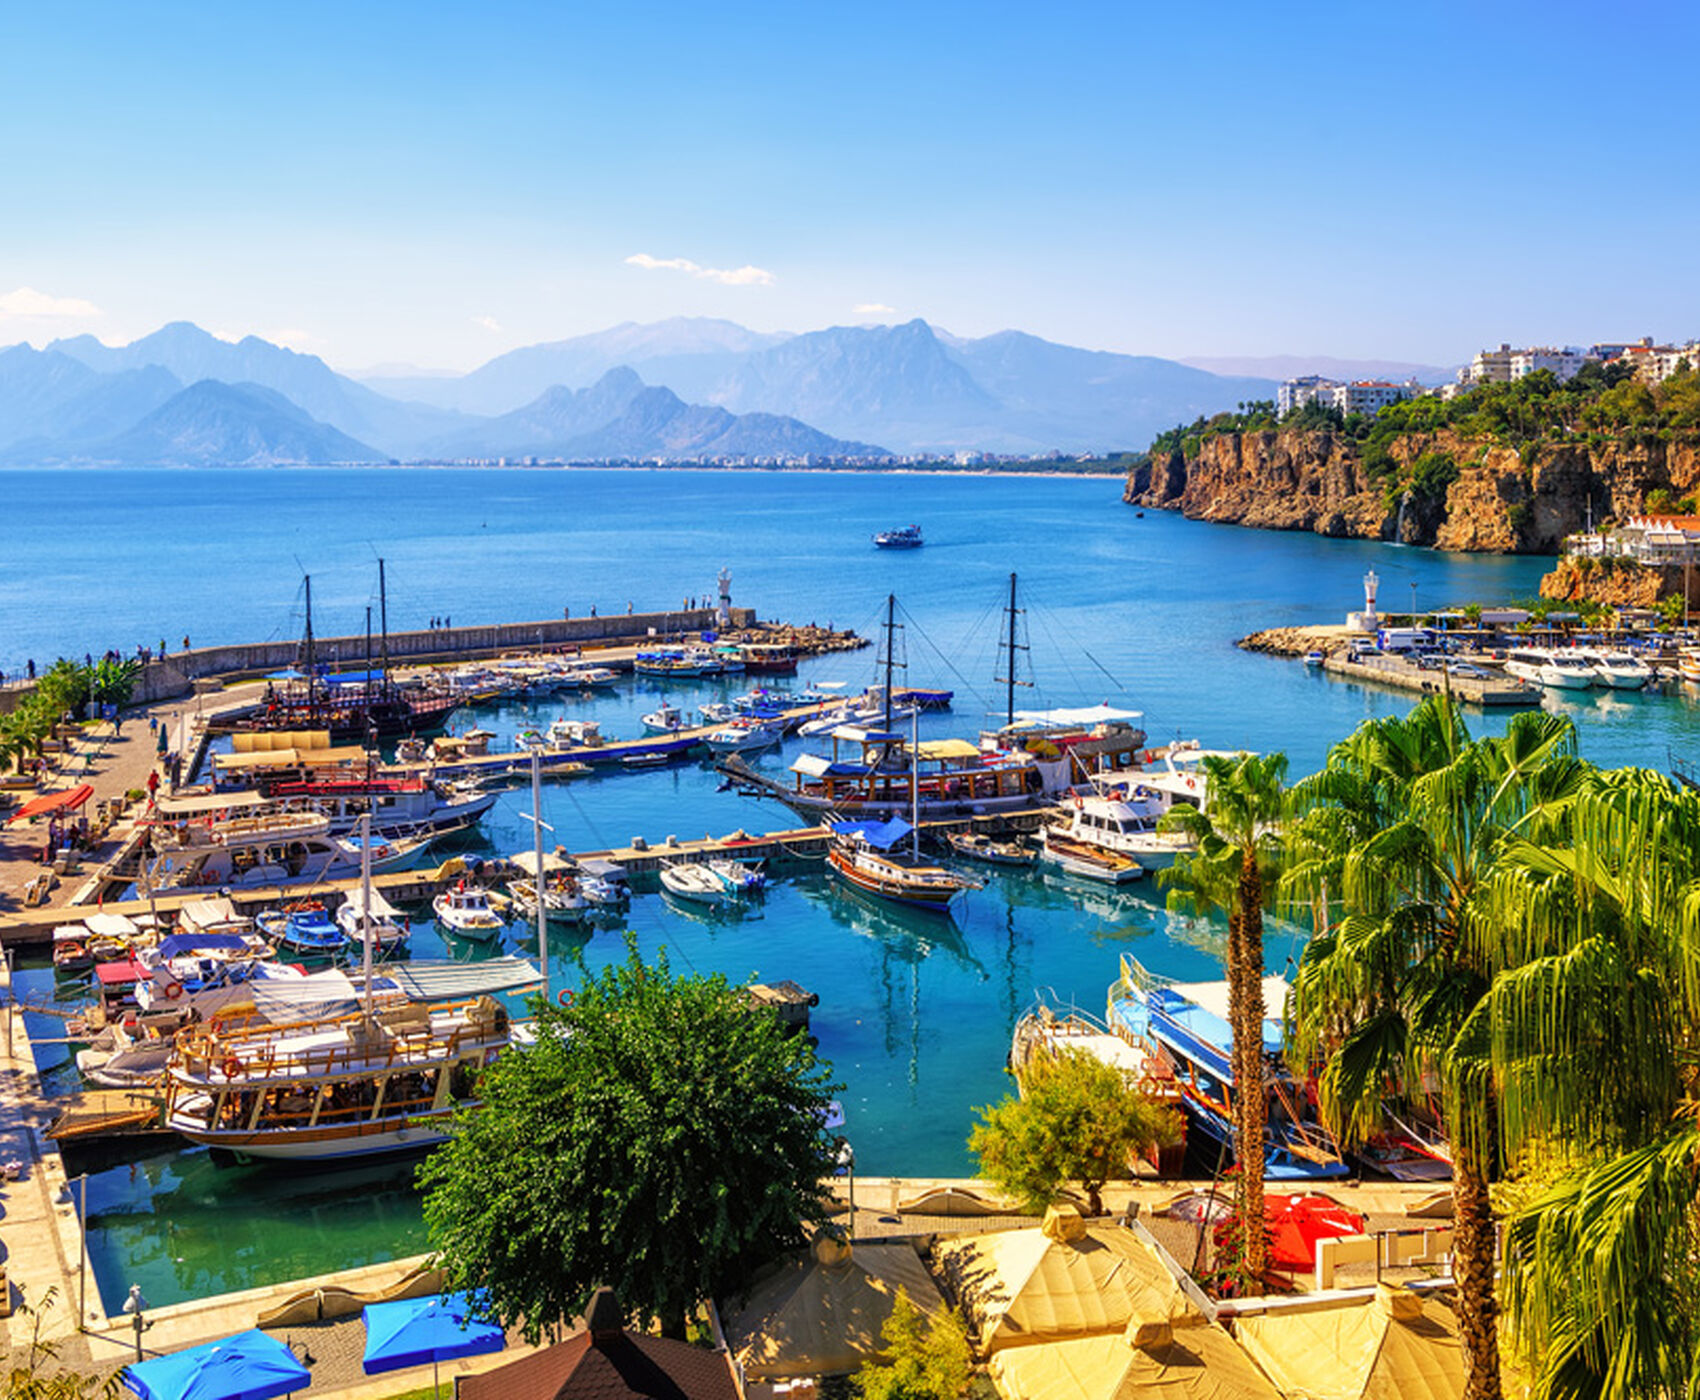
x,y
1618,583
1503,501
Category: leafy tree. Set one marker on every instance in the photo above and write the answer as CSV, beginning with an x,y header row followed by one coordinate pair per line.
x,y
1400,831
36,1373
929,1361
1239,843
1078,1119
656,1138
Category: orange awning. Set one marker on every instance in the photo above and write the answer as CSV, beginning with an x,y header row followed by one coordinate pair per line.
x,y
67,801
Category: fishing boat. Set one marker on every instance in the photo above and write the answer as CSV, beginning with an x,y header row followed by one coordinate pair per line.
x,y
563,901
694,884
585,676
604,883
665,719
370,916
304,927
1087,859
1046,1032
973,845
466,910
1186,1023
737,877
904,537
1315,658
864,855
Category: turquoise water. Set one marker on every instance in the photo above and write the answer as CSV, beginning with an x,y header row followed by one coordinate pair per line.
x,y
915,1013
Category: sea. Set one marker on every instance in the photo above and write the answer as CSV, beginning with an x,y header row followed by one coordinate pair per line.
x,y
1137,609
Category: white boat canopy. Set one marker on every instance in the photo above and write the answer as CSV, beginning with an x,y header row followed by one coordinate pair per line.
x,y
526,861
111,925
208,913
197,804
452,981
1213,996
1090,714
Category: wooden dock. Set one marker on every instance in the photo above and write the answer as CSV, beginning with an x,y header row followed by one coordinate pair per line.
x,y
96,1115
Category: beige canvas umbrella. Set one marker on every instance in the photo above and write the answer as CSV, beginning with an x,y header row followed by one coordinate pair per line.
x,y
1392,1346
1063,1279
1188,1358
822,1314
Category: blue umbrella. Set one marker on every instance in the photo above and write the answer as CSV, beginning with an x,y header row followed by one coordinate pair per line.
x,y
417,1330
248,1366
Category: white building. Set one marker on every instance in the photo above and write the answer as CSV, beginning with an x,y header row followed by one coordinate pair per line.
x,y
1307,389
1372,395
1489,367
1564,364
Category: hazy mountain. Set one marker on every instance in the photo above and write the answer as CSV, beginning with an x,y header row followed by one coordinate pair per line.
x,y
619,416
216,424
1279,367
51,398
307,381
688,353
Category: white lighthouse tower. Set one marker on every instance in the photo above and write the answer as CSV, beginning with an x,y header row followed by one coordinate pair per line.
x,y
1367,620
725,615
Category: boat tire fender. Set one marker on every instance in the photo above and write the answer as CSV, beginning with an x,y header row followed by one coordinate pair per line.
x,y
172,990
231,1067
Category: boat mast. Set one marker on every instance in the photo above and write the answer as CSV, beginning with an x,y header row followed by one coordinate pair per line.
x,y
537,874
890,639
367,686
366,912
384,629
307,581
915,782
1009,662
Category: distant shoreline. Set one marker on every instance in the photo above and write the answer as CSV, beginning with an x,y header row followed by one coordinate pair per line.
x,y
1110,476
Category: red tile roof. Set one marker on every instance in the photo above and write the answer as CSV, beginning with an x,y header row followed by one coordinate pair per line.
x,y
625,1367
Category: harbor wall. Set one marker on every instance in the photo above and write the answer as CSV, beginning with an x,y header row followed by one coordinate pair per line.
x,y
176,673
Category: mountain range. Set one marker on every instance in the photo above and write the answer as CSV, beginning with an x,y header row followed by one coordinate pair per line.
x,y
688,389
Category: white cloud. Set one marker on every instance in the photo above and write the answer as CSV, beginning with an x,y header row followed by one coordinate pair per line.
x,y
875,308
727,276
490,323
26,302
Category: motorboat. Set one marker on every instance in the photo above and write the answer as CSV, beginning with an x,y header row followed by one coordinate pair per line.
x,y
1121,814
380,921
743,735
974,845
665,719
717,712
303,927
1556,669
563,901
904,537
466,910
273,848
1186,1024
695,884
604,883
1315,658
1617,670
737,877
864,855
588,677
677,663
1087,859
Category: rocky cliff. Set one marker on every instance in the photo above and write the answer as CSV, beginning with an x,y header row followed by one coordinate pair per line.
x,y
1502,501
1618,583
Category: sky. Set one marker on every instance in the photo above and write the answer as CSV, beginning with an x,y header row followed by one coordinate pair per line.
x,y
434,184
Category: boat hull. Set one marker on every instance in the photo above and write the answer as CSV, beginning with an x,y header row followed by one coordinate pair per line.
x,y
891,887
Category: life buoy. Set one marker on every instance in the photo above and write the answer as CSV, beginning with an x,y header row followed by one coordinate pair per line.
x,y
1192,783
231,1067
565,997
172,990
1079,802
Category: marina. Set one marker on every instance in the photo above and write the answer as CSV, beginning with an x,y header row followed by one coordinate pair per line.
x,y
916,1009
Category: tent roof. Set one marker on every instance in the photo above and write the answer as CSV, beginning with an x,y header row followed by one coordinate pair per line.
x,y
1022,1286
881,835
1091,714
822,1313
67,800
1190,1362
1391,1346
628,1366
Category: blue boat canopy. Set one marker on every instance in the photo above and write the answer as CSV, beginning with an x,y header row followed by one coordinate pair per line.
x,y
882,836
178,945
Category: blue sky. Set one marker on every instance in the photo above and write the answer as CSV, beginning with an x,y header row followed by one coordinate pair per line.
x,y
435,184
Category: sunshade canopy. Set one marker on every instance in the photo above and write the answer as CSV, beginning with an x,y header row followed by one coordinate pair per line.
x,y
417,1330
882,836
248,1366
67,800
1190,1359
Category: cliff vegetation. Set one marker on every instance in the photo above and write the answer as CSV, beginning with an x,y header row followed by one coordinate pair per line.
x,y
1506,468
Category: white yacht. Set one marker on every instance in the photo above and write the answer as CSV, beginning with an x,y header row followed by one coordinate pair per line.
x,y
1561,670
1120,814
695,884
275,848
1617,670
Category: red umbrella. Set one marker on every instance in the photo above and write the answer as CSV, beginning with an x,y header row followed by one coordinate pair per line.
x,y
1297,1223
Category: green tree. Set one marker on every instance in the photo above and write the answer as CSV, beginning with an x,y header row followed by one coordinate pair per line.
x,y
1400,831
1238,846
36,1373
657,1138
1077,1119
928,1360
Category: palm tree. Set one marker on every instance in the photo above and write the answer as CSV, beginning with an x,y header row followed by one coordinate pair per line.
x,y
1401,829
1238,842
1594,1038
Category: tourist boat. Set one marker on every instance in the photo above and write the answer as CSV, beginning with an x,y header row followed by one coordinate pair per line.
x,y
694,884
665,719
401,807
743,735
863,856
769,658
563,901
1045,1032
370,1082
1186,1024
1121,814
677,663
1087,859
973,845
584,676
273,848
303,927
737,877
1617,670
869,709
373,917
1559,670
466,910
904,537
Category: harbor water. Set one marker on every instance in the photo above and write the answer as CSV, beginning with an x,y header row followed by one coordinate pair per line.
x,y
915,1011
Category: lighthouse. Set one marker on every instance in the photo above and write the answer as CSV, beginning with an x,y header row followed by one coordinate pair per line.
x,y
1367,620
